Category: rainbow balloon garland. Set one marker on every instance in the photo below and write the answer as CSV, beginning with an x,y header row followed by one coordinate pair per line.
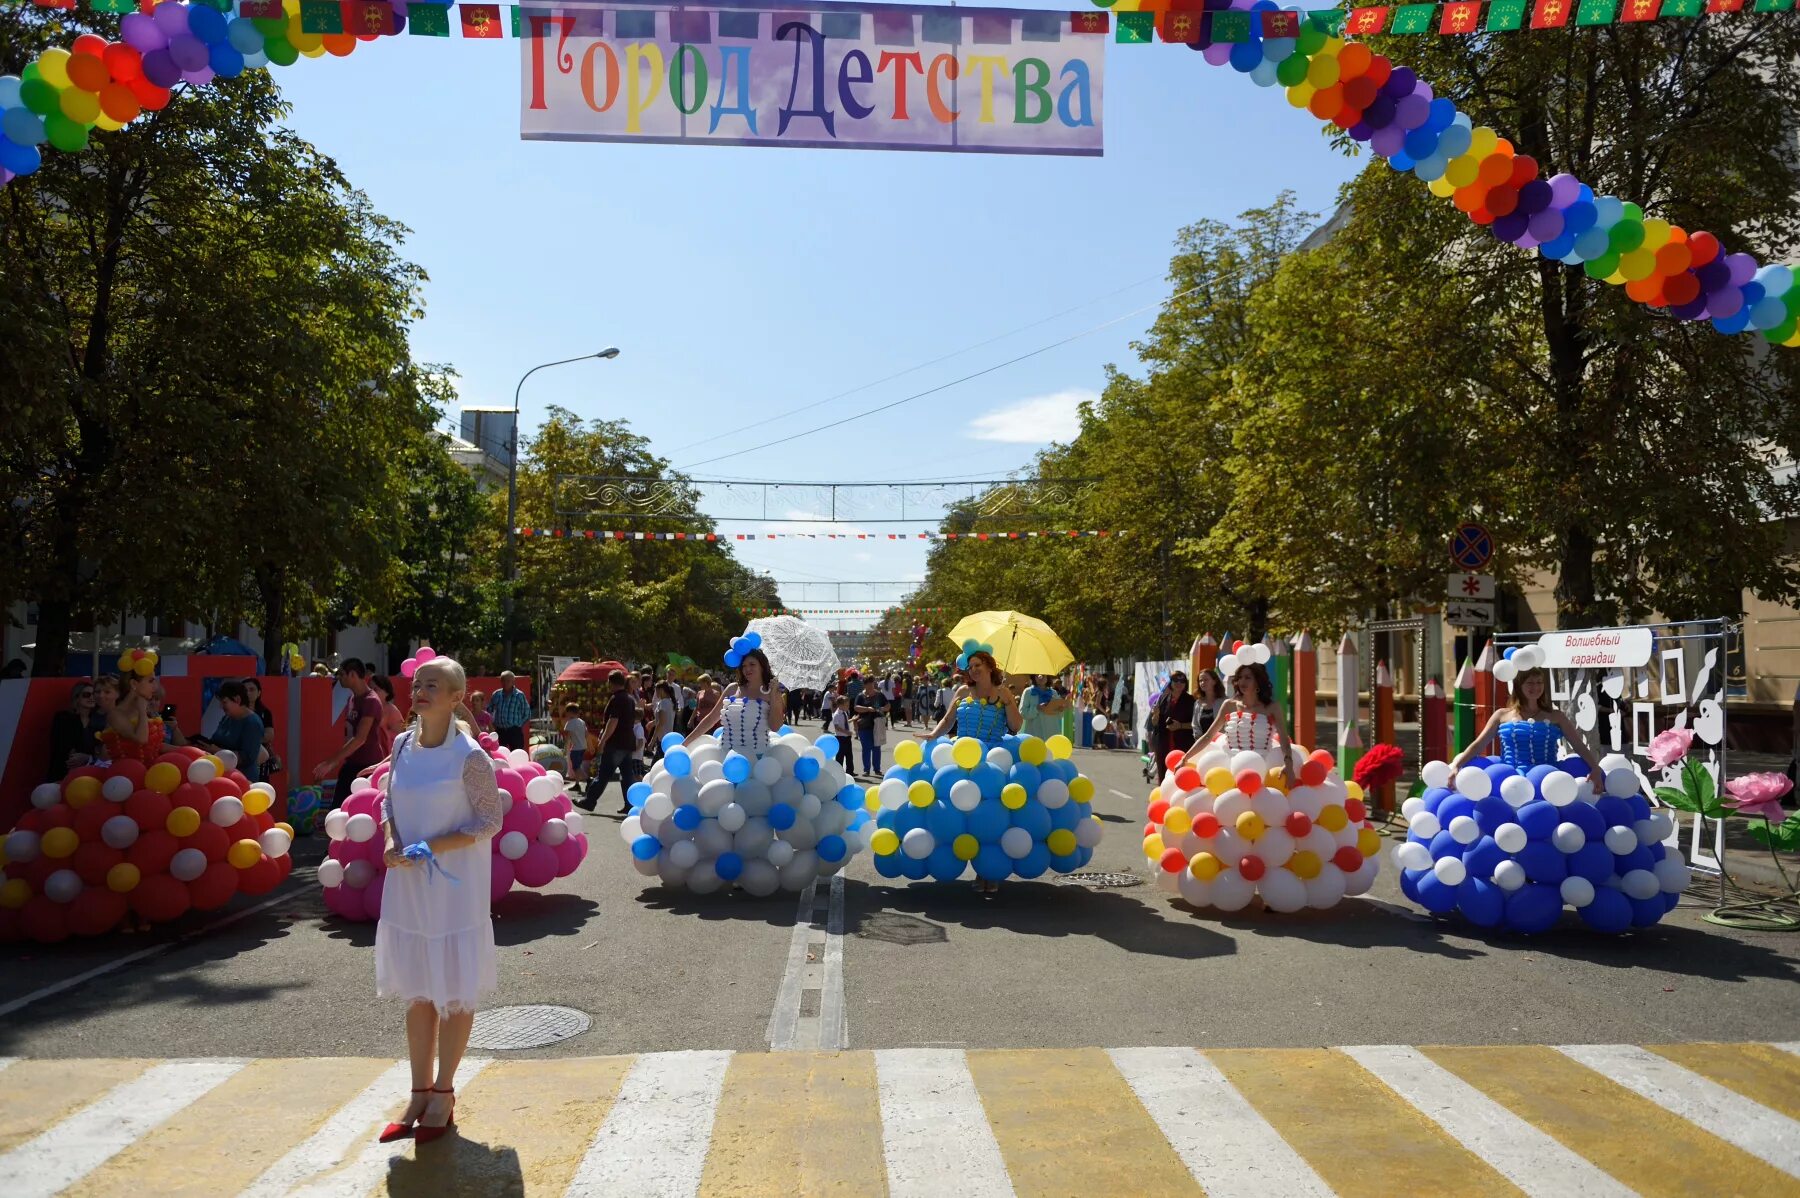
x,y
65,94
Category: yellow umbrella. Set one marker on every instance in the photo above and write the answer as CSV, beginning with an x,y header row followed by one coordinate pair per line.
x,y
1022,644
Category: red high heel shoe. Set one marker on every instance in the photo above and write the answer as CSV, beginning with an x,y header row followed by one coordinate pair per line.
x,y
399,1131
425,1135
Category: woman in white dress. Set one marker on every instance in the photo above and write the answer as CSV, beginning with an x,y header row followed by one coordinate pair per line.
x,y
1250,720
753,707
434,944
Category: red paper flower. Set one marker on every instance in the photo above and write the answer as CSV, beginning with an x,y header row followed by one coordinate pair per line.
x,y
1378,767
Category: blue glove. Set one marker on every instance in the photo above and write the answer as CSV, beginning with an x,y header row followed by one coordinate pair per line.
x,y
420,851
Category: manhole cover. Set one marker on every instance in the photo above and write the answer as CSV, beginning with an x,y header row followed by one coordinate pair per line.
x,y
506,1028
1101,881
900,929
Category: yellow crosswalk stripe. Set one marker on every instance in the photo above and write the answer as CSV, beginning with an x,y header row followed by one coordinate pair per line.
x,y
1360,1136
1068,1123
1760,1072
35,1095
223,1140
795,1122
1632,1138
529,1122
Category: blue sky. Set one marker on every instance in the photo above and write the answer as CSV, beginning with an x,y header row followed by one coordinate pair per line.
x,y
741,283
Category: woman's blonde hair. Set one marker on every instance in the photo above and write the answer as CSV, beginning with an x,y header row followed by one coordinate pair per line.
x,y
1518,688
459,683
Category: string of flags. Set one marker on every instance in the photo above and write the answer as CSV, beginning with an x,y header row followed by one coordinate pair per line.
x,y
1185,22
592,534
843,611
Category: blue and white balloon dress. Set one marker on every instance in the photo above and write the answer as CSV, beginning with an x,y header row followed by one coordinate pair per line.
x,y
746,808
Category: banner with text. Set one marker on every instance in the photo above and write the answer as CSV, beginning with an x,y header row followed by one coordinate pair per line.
x,y
873,77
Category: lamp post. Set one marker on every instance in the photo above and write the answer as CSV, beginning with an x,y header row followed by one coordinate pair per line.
x,y
512,488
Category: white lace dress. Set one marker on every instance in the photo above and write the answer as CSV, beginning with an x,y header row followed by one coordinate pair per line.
x,y
435,940
1246,730
744,725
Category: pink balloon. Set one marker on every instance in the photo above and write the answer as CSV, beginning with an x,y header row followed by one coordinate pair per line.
x,y
560,805
533,769
424,654
344,851
537,867
372,895
523,817
488,741
569,855
502,878
348,903
409,667
364,801
512,782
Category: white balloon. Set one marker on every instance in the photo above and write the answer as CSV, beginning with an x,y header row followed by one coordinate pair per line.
x,y
1412,855
227,810
1228,664
1621,783
759,879
1231,891
513,845
1409,807
1014,842
119,832
712,839
21,845
754,798
1620,840
753,839
659,806
1450,870
1559,788
715,795
732,817
1211,760
1099,723
780,852
1464,830
1662,826
188,864
647,868
767,770
1192,889
359,873
1088,833
331,872
275,842
63,885
1577,891
1642,884
810,806
1282,891
892,794
1672,875
1614,761
1424,825
1247,760
1327,888
798,872
46,794
1472,782
1510,837
999,758
965,795
1509,875
708,771
630,828
669,873
359,827
1435,774
683,854
518,757
553,832
1569,838
116,790
1053,793
919,843
1505,670
200,771
541,790
227,758
704,879
574,822
334,823
1529,657
1360,881
1517,791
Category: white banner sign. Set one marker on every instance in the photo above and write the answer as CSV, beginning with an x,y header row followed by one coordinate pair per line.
x,y
1597,649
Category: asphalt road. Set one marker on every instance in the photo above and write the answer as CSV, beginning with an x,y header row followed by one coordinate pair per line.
x,y
1039,965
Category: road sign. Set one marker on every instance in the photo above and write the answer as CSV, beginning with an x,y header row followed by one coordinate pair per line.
x,y
1471,586
1464,614
1471,546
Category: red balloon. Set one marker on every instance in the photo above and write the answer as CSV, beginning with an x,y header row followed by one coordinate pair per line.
x,y
31,821
1704,246
1681,289
214,888
152,851
1525,169
1356,810
210,839
1312,773
149,809
1361,91
1173,759
260,878
85,771
152,97
1206,825
96,911
1149,830
1347,859
1172,861
1380,67
1158,810
191,752
89,43
1502,199
9,925
43,921
36,871
159,897
1187,778
286,863
57,815
220,788
1251,868
92,860
1249,782
1298,824
237,779
263,822
175,758
88,820
125,64
246,829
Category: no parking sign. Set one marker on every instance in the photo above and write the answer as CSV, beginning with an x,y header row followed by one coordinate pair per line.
x,y
1471,547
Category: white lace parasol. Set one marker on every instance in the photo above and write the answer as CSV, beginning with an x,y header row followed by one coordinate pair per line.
x,y
800,654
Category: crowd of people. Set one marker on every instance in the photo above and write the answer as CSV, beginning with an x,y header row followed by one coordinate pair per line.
x,y
116,716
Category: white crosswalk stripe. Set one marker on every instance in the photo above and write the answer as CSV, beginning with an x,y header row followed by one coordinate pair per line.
x,y
364,1174
935,1135
653,1142
344,1132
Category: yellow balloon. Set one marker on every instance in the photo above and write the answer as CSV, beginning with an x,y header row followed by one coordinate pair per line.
x,y
1082,789
1205,866
217,764
1656,234
256,801
965,847
966,752
1059,747
1033,752
1368,842
59,842
1462,171
1441,187
53,66
106,124
1333,819
286,827
885,842
1250,825
1153,846
144,667
79,792
920,794
1219,780
1304,864
1353,790
82,107
1482,141
1061,842
1333,46
1301,94
1637,264
1012,796
296,663
244,854
182,821
1155,795
908,753
1323,70
162,777
123,878
1178,820
15,893
871,801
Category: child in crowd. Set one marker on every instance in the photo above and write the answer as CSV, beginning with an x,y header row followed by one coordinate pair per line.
x,y
840,728
575,736
593,742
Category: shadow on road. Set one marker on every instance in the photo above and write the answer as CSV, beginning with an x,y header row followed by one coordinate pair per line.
x,y
456,1165
1354,923
777,910
522,916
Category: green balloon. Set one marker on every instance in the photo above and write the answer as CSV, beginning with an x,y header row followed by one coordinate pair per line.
x,y
270,26
281,52
1603,266
1292,69
1626,236
31,71
65,134
1633,212
1782,331
39,96
1311,39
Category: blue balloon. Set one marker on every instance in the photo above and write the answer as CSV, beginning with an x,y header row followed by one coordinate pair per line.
x,y
206,23
1543,863
889,866
1647,912
753,639
1034,863
1532,909
243,34
1434,896
224,60
914,868
678,763
806,769
1539,819
1026,775
9,91
907,818
1401,161
1409,884
1421,143
989,779
1491,812
992,863
944,822
737,768
688,817
1068,863
1498,773
1455,808
1444,845
989,819
1482,857
1454,141
888,819
1591,861
1034,817
897,771
1537,774
943,864
1434,798
828,746
1614,811
858,820
20,160
854,797
1246,56
1575,767
1609,912
1586,817
1066,817
832,848
645,848
1481,903
729,866
733,659
22,126
671,741
1640,807
1638,858
781,817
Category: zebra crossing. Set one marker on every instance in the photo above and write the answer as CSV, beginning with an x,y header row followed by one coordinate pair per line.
x,y
1587,1120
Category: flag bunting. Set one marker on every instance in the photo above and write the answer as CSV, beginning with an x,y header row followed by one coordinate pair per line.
x,y
613,534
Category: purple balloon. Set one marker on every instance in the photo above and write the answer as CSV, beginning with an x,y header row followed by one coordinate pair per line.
x,y
1380,112
1546,225
1218,54
1400,82
1360,131
1388,141
160,69
140,31
1714,276
1724,303
1422,88
172,19
199,78
1412,112
1743,269
188,51
1694,309
1534,197
1510,227
1565,189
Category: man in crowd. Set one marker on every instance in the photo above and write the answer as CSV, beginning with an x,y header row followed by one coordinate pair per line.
x,y
362,743
240,731
511,711
618,746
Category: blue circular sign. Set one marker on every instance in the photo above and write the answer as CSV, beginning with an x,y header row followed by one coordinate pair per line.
x,y
1471,546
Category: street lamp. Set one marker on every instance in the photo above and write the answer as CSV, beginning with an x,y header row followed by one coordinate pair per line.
x,y
512,487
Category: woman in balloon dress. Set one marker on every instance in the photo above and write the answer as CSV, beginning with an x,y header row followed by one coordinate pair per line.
x,y
1530,729
753,707
132,732
434,944
984,709
1249,720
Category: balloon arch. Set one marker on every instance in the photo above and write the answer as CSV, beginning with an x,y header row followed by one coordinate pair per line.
x,y
65,94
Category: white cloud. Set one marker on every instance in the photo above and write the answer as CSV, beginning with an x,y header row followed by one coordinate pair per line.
x,y
1035,421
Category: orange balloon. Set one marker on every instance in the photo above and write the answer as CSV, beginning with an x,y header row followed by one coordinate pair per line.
x,y
1496,169
1327,102
1353,60
88,72
1674,257
118,102
338,44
